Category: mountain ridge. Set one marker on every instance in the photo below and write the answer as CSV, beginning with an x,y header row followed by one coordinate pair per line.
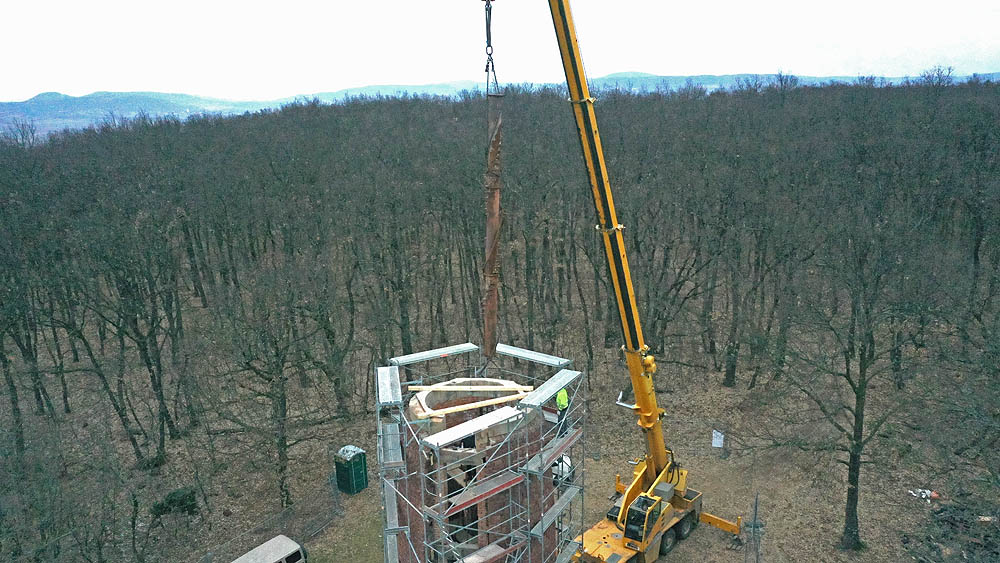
x,y
54,111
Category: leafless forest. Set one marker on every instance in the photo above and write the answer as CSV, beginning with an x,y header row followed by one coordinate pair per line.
x,y
187,309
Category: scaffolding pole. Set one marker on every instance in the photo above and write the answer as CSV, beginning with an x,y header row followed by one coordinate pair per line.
x,y
490,484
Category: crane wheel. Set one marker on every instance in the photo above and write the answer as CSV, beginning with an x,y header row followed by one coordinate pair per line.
x,y
687,525
668,541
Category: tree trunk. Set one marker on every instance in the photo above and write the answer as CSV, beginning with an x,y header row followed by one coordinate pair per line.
x,y
588,338
200,251
530,288
155,380
15,406
973,296
733,341
400,282
896,354
707,322
221,253
43,402
851,539
116,400
199,290
233,267
279,414
26,340
58,361
172,312
732,356
784,322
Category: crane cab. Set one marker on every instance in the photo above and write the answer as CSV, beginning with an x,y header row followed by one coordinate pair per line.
x,y
647,519
641,517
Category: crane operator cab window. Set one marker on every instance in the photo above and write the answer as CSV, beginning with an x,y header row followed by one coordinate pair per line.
x,y
642,514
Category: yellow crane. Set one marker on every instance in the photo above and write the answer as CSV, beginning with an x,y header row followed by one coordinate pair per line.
x,y
656,508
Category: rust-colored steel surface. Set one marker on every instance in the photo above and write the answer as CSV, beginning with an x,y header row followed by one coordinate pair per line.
x,y
491,266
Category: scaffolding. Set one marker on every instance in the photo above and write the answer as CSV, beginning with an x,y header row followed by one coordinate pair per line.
x,y
477,463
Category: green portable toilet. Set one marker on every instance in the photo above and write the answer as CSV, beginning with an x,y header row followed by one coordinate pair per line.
x,y
352,469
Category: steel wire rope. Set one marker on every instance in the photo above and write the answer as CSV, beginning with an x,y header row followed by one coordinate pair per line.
x,y
490,65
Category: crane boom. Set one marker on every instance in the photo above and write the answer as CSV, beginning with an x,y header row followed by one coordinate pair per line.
x,y
641,365
656,508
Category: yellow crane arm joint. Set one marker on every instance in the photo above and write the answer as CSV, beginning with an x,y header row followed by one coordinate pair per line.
x,y
618,227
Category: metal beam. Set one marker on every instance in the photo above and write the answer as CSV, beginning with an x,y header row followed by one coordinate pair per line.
x,y
435,354
532,356
470,427
546,391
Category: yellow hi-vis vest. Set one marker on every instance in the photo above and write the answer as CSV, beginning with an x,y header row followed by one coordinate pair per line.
x,y
562,399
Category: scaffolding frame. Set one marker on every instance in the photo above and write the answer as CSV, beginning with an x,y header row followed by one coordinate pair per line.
x,y
501,486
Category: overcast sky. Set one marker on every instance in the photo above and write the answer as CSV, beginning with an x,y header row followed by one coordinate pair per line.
x,y
262,50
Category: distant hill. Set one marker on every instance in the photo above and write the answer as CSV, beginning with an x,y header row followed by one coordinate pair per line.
x,y
443,89
53,111
642,82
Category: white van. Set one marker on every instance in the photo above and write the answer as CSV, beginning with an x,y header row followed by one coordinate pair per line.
x,y
279,549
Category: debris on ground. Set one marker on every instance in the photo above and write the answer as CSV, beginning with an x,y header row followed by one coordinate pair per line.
x,y
737,543
958,532
925,494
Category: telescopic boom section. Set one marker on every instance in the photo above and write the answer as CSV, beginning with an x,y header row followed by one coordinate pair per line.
x,y
641,365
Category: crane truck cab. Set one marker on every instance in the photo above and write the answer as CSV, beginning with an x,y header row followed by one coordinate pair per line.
x,y
651,526
279,549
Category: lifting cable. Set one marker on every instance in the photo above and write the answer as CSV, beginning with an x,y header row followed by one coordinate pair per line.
x,y
490,66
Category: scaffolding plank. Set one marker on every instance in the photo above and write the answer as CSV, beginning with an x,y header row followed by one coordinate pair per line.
x,y
470,427
557,508
391,548
391,509
426,355
532,356
392,452
487,554
568,552
490,553
389,393
544,459
546,391
481,491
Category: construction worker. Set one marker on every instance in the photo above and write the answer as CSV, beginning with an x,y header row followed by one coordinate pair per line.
x,y
562,403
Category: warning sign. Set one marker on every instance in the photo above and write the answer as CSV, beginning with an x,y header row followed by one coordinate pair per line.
x,y
718,438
